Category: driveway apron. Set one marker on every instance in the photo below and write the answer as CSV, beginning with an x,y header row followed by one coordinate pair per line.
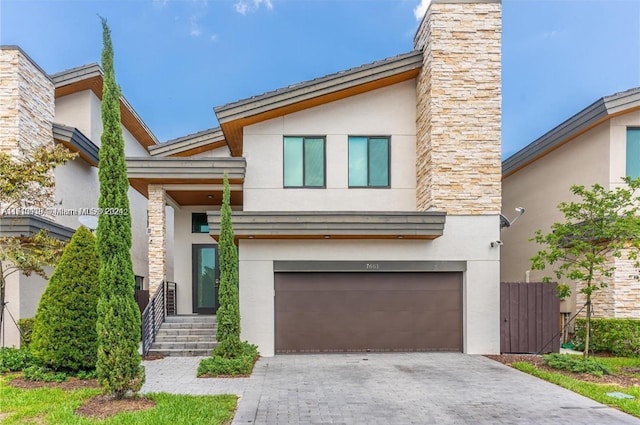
x,y
390,388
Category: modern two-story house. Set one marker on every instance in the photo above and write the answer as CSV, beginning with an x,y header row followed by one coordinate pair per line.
x,y
599,144
37,108
366,203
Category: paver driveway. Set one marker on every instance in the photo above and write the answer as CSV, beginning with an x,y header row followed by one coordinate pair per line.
x,y
394,388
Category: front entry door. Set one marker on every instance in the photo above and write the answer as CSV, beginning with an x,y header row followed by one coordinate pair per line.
x,y
205,278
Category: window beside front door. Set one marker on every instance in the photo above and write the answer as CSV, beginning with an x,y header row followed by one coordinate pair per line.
x,y
304,162
368,161
633,152
199,223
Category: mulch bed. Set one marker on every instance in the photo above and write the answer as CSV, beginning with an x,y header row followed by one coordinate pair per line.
x,y
70,384
153,356
625,378
102,406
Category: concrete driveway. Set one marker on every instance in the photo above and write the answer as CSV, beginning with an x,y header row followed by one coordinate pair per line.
x,y
391,388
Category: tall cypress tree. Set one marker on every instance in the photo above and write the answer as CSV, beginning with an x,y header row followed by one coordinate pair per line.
x,y
228,315
118,365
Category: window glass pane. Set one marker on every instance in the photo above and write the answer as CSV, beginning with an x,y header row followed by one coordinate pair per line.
x,y
199,223
378,162
293,161
314,162
633,152
357,161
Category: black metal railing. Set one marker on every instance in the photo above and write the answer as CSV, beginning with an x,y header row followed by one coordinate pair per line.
x,y
162,304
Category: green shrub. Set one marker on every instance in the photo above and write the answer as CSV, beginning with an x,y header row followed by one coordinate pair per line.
x,y
620,337
26,329
576,364
15,359
221,365
43,373
64,334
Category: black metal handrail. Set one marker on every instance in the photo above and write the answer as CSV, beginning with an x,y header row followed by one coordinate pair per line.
x,y
153,315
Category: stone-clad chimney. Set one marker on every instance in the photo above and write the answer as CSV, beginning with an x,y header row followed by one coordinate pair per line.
x,y
27,102
459,108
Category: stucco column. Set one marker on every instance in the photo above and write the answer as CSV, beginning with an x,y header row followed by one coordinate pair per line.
x,y
157,237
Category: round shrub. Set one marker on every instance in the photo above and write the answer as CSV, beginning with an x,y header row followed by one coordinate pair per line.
x,y
64,333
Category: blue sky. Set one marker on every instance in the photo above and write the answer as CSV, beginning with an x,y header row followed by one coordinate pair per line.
x,y
177,59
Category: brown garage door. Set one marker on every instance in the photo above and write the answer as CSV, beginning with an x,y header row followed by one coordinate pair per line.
x,y
326,312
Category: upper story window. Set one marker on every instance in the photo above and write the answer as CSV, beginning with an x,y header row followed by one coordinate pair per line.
x,y
304,161
199,223
368,161
633,152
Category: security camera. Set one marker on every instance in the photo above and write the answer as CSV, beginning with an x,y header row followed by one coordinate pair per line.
x,y
496,243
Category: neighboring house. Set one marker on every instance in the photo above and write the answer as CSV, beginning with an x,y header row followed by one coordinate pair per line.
x,y
600,144
365,202
37,108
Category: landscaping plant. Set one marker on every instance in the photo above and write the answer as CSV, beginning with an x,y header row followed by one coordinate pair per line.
x,y
228,315
600,226
118,327
27,181
64,333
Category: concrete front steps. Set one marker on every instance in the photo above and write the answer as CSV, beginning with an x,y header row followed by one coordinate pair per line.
x,y
192,335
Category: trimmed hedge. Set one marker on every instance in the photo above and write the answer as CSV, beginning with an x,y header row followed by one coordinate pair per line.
x,y
620,337
26,329
64,334
241,365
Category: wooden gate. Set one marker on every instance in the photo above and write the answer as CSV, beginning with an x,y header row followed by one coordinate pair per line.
x,y
529,317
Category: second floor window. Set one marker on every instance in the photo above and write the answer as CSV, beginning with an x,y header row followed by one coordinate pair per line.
x,y
199,223
304,163
368,161
633,152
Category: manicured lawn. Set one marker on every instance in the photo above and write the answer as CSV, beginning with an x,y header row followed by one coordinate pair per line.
x,y
597,389
56,406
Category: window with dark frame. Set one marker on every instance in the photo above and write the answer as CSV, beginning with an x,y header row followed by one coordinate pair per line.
x,y
304,161
633,152
369,161
199,223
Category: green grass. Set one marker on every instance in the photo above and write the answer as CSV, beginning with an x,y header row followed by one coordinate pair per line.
x,y
594,391
55,406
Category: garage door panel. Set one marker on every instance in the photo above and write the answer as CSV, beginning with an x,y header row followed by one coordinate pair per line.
x,y
326,312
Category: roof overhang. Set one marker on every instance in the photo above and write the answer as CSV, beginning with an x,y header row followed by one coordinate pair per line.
x,y
331,225
89,77
25,226
75,141
235,116
189,181
192,144
595,114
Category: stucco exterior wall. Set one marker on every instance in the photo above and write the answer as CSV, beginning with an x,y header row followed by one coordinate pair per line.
x,y
215,153
464,239
388,111
184,239
539,188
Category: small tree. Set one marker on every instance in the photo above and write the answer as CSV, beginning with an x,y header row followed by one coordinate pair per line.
x,y
64,334
600,226
118,365
228,315
27,182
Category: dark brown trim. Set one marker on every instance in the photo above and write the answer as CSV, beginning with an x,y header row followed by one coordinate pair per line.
x,y
369,266
25,226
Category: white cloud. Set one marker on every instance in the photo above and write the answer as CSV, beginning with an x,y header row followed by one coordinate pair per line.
x,y
550,34
213,37
160,3
195,29
420,10
243,6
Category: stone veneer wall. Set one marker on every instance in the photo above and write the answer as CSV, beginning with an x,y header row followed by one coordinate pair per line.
x,y
27,102
459,108
157,237
621,298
